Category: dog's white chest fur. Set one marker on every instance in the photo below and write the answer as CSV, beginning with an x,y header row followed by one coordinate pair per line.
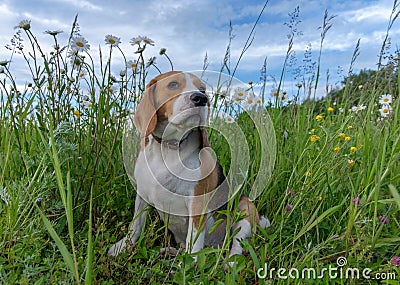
x,y
166,179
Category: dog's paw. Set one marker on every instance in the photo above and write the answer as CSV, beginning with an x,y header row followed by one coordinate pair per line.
x,y
230,265
119,247
169,250
264,222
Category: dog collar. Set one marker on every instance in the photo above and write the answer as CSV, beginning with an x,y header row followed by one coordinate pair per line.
x,y
172,144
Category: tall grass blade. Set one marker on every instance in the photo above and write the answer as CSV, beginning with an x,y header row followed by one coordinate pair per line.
x,y
395,194
89,256
61,246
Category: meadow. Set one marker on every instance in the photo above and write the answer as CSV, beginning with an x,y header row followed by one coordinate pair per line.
x,y
65,197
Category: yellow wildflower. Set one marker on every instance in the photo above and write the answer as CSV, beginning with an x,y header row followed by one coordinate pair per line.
x,y
347,138
319,118
330,110
336,149
350,163
353,149
314,138
342,136
77,113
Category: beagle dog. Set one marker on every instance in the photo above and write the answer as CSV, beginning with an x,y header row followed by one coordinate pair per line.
x,y
176,172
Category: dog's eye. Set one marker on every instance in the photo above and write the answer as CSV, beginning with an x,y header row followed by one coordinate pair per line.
x,y
202,89
173,85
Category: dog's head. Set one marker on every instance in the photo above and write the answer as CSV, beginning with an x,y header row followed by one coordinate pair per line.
x,y
173,103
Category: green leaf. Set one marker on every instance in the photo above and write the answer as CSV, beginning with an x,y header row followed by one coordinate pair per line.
x,y
61,246
395,194
315,220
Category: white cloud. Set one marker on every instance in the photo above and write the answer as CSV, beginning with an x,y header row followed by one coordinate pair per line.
x,y
375,13
5,11
46,22
189,29
82,4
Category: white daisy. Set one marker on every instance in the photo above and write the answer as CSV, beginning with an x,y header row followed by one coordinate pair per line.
x,y
136,40
225,117
79,44
151,61
53,32
148,41
239,94
385,110
132,64
250,101
229,119
385,99
112,40
358,108
24,24
258,101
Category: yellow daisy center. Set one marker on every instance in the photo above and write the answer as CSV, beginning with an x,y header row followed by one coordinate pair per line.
x,y
111,41
385,111
80,44
386,100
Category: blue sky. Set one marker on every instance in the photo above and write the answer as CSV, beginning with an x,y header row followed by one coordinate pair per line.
x,y
188,29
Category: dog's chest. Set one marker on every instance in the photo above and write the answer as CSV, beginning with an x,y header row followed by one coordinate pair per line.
x,y
161,176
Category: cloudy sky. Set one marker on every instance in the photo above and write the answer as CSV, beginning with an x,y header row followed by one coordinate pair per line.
x,y
190,29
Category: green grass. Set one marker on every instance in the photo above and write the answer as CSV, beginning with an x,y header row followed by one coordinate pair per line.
x,y
66,198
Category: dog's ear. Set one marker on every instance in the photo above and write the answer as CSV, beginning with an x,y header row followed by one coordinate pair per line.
x,y
145,118
204,137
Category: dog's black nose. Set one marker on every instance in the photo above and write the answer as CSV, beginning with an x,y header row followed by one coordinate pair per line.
x,y
199,99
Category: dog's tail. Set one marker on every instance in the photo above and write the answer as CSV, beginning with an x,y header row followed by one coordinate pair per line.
x,y
264,222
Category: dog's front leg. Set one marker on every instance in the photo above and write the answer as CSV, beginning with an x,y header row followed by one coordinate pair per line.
x,y
135,229
196,234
